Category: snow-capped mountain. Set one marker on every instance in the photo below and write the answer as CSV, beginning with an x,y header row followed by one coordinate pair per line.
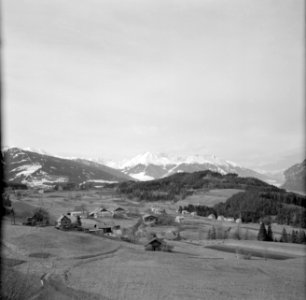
x,y
149,166
38,169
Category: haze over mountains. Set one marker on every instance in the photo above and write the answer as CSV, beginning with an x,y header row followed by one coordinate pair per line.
x,y
36,167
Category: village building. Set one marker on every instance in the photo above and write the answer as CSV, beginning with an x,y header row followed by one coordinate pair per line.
x,y
101,212
118,211
149,219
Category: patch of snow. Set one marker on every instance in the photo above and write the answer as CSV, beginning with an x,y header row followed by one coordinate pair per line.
x,y
100,181
141,176
19,161
26,170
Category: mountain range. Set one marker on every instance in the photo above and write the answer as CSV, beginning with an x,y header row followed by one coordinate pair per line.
x,y
149,166
37,168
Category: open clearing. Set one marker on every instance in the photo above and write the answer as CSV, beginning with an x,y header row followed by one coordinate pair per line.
x,y
75,265
209,198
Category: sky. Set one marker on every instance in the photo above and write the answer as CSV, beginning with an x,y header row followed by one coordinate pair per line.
x,y
111,79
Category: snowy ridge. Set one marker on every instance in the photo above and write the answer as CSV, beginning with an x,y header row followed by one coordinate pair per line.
x,y
162,159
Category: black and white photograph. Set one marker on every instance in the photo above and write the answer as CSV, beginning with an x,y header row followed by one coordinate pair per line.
x,y
153,149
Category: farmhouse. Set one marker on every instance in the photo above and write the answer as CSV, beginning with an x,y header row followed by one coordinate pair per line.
x,y
66,222
149,219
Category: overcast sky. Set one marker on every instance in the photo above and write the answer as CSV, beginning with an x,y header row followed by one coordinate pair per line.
x,y
111,79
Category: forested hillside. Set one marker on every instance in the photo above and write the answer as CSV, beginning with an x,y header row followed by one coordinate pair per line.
x,y
259,201
178,186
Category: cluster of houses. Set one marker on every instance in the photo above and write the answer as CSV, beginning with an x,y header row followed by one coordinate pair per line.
x,y
180,218
224,219
85,221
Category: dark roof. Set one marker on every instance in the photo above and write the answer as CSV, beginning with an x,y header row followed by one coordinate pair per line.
x,y
155,239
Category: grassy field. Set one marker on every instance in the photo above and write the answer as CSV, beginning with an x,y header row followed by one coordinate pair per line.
x,y
77,265
209,198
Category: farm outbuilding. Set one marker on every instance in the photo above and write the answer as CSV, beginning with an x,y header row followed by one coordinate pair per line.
x,y
155,244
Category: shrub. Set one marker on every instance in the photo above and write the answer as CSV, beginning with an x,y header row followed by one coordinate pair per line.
x,y
262,233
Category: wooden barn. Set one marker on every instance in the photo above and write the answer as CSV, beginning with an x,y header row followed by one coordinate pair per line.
x,y
155,244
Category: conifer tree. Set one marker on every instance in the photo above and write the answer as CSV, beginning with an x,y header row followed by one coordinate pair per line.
x,y
301,238
294,237
284,236
269,234
262,233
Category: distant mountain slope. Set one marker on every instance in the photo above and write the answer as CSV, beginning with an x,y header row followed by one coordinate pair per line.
x,y
295,178
37,169
149,166
180,185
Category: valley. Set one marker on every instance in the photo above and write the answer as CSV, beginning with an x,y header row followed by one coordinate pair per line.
x,y
56,264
